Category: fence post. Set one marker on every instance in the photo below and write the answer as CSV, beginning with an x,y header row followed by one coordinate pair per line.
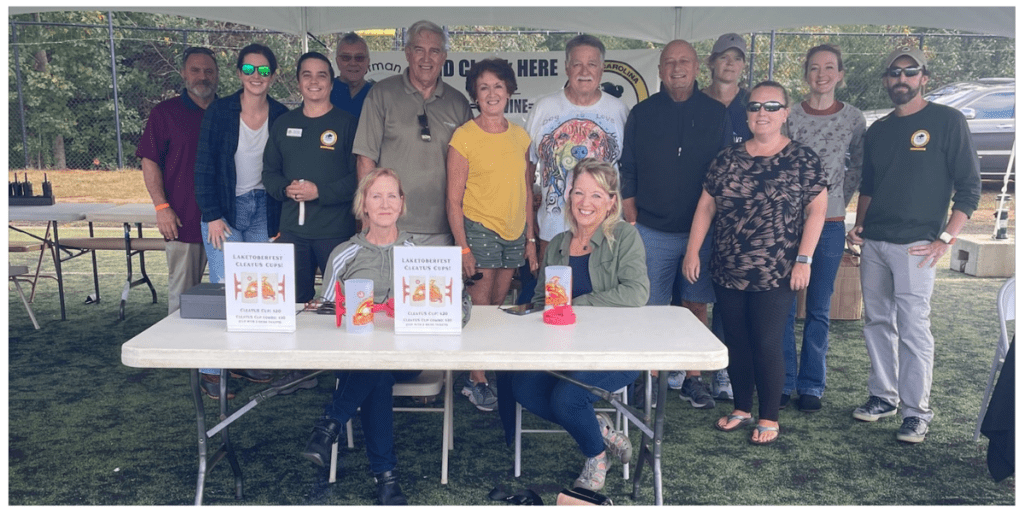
x,y
113,75
750,72
771,56
21,97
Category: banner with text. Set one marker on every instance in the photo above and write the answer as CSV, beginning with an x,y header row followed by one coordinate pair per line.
x,y
259,283
428,290
630,75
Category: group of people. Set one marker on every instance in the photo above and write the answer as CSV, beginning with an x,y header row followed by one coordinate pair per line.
x,y
694,196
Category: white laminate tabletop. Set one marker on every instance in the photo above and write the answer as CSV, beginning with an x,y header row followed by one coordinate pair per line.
x,y
131,213
60,212
646,338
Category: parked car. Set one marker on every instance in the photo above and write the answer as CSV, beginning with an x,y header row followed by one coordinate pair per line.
x,y
988,105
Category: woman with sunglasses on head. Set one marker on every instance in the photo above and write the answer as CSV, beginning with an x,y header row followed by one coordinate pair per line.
x,y
228,173
767,198
833,129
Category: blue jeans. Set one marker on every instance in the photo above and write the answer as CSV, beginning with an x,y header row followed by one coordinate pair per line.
x,y
827,256
370,392
250,226
665,253
567,404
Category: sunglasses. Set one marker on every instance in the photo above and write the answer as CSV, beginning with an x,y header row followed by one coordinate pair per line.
x,y
770,106
908,72
358,58
424,128
248,69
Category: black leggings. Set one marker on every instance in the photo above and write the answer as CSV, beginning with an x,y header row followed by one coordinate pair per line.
x,y
754,323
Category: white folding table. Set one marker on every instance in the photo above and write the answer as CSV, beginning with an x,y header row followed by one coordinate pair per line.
x,y
128,214
646,338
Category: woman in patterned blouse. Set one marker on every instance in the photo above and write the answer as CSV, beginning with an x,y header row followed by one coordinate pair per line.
x,y
767,198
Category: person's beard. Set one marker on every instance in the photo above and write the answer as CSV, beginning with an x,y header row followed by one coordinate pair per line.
x,y
201,88
902,97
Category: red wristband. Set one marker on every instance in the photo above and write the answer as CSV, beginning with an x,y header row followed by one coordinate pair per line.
x,y
162,206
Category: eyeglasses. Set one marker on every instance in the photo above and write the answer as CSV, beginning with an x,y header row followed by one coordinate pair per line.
x,y
908,72
424,127
248,69
358,58
192,50
770,106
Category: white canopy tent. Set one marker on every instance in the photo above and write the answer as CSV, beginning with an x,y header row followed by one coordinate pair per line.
x,y
650,23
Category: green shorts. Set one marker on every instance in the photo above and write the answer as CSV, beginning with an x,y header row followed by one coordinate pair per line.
x,y
493,251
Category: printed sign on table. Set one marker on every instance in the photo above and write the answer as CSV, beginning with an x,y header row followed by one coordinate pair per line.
x,y
259,282
428,290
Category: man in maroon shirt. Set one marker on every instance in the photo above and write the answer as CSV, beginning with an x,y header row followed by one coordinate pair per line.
x,y
168,153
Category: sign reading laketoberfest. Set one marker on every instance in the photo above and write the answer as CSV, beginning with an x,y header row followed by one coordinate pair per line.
x,y
259,287
428,290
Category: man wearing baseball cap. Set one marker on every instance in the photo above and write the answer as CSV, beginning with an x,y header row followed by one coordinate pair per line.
x,y
914,159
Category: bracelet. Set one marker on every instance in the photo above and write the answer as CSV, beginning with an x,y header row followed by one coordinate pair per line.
x,y
162,206
465,250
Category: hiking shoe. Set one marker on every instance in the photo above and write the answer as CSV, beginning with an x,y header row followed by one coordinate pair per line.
x,y
721,386
615,441
874,409
912,430
675,379
694,392
593,474
809,403
481,395
210,384
293,376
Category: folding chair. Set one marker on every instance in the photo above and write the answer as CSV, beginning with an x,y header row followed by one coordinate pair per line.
x,y
1005,307
427,383
14,273
620,424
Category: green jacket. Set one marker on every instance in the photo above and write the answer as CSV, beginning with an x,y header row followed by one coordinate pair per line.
x,y
618,270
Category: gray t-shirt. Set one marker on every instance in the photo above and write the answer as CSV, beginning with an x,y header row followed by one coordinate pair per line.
x,y
389,134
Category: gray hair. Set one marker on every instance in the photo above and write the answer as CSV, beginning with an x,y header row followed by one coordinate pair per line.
x,y
420,26
351,38
584,40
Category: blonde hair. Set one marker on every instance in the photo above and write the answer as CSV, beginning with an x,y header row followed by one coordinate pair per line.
x,y
360,198
607,177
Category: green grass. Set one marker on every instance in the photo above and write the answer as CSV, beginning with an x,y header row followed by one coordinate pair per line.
x,y
85,429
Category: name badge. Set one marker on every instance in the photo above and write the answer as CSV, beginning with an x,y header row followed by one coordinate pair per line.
x,y
294,132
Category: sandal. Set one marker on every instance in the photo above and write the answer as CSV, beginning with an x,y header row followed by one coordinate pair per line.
x,y
744,421
761,429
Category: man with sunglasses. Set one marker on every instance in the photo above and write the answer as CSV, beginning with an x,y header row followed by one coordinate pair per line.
x,y
406,124
168,152
351,87
914,160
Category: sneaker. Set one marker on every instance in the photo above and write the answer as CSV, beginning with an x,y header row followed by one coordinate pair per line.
x,y
874,409
675,379
481,395
809,403
210,384
912,430
721,386
615,441
293,376
694,392
638,399
593,474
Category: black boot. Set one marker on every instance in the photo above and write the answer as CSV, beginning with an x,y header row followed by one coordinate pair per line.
x,y
318,449
388,491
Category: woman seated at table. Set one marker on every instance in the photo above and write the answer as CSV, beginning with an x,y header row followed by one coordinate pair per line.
x,y
608,269
379,202
767,198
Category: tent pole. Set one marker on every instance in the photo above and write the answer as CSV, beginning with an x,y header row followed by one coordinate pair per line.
x,y
678,32
305,30
113,75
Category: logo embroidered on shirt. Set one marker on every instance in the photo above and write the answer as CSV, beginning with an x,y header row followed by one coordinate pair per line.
x,y
919,140
328,139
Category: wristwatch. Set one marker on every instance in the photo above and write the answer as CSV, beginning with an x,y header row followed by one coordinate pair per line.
x,y
947,238
804,259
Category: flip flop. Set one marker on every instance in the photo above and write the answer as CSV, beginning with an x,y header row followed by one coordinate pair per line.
x,y
744,421
762,429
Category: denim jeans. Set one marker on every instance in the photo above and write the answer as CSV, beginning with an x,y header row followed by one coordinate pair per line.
x,y
250,226
665,252
567,404
811,378
370,392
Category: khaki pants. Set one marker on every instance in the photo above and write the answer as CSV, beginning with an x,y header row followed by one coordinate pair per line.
x,y
185,265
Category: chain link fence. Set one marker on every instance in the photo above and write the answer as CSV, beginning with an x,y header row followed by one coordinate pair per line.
x,y
65,111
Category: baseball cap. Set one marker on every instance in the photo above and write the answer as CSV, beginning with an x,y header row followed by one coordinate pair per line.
x,y
907,51
729,41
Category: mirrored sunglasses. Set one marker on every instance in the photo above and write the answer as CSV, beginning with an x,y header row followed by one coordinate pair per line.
x,y
908,72
770,106
248,69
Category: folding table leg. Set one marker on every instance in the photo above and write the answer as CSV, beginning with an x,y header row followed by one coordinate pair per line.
x,y
60,273
197,396
142,268
128,257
